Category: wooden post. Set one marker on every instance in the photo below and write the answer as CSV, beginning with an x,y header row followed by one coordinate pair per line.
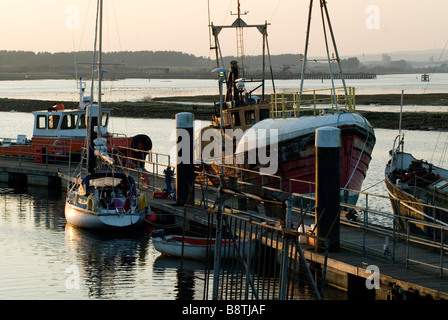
x,y
328,154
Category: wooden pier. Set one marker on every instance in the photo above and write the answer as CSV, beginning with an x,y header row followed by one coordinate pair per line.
x,y
407,268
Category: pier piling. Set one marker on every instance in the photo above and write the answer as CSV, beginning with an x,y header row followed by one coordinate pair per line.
x,y
328,154
184,162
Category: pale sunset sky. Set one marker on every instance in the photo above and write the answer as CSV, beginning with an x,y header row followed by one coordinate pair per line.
x,y
360,26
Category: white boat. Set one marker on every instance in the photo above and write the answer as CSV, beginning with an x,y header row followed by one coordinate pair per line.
x,y
104,198
199,247
105,201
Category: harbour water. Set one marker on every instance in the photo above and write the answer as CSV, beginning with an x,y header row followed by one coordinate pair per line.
x,y
138,89
41,257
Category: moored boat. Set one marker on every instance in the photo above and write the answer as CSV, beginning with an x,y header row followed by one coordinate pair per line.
x,y
102,197
60,133
282,132
107,201
201,248
418,191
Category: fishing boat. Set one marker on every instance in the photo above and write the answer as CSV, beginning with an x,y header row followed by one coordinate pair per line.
x,y
200,248
102,197
417,189
59,134
285,130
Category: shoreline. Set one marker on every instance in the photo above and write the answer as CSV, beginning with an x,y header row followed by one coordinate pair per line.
x,y
157,108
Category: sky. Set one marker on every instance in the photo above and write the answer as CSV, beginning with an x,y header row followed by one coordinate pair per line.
x,y
360,26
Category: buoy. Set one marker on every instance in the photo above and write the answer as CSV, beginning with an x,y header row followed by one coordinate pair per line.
x,y
151,217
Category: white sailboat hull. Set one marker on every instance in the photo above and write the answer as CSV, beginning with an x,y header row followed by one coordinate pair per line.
x,y
84,218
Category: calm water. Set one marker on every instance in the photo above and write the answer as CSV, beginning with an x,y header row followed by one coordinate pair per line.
x,y
137,89
40,255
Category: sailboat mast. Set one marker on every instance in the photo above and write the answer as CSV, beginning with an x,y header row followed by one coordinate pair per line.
x,y
100,73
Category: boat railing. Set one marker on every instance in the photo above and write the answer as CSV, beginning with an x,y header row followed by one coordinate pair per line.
x,y
153,163
285,105
21,149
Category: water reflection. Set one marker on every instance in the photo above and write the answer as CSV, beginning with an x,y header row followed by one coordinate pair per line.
x,y
107,262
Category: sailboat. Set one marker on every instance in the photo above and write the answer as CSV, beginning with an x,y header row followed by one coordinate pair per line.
x,y
102,198
418,190
294,118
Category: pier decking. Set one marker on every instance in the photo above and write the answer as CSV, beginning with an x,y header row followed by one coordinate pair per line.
x,y
406,267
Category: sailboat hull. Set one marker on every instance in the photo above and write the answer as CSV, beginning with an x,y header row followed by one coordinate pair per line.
x,y
84,218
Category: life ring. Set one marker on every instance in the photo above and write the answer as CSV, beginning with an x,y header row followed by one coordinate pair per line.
x,y
142,203
59,147
141,142
90,203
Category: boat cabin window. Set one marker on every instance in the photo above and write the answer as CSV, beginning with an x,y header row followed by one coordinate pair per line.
x,y
69,121
53,121
82,122
250,116
104,119
264,114
236,119
41,122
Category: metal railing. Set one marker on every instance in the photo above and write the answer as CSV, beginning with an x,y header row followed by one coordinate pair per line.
x,y
285,105
377,231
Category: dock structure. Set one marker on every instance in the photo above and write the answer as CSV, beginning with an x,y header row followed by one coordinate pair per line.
x,y
285,75
373,261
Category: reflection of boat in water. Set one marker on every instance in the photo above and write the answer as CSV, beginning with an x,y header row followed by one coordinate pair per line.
x,y
103,198
412,184
278,138
107,263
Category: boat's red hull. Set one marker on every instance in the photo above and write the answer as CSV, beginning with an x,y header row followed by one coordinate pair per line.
x,y
298,174
354,165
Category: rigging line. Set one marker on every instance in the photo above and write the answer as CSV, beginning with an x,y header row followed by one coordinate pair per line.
x,y
373,185
271,19
442,158
438,61
435,147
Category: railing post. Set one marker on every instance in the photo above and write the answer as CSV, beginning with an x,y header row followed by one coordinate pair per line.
x,y
441,251
364,231
407,243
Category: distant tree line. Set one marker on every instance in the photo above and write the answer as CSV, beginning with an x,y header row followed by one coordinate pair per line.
x,y
142,64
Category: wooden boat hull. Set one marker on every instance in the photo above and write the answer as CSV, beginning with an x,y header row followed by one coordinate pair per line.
x,y
408,202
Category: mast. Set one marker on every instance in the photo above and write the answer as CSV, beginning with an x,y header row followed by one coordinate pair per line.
x,y
100,70
325,17
239,24
240,36
95,115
